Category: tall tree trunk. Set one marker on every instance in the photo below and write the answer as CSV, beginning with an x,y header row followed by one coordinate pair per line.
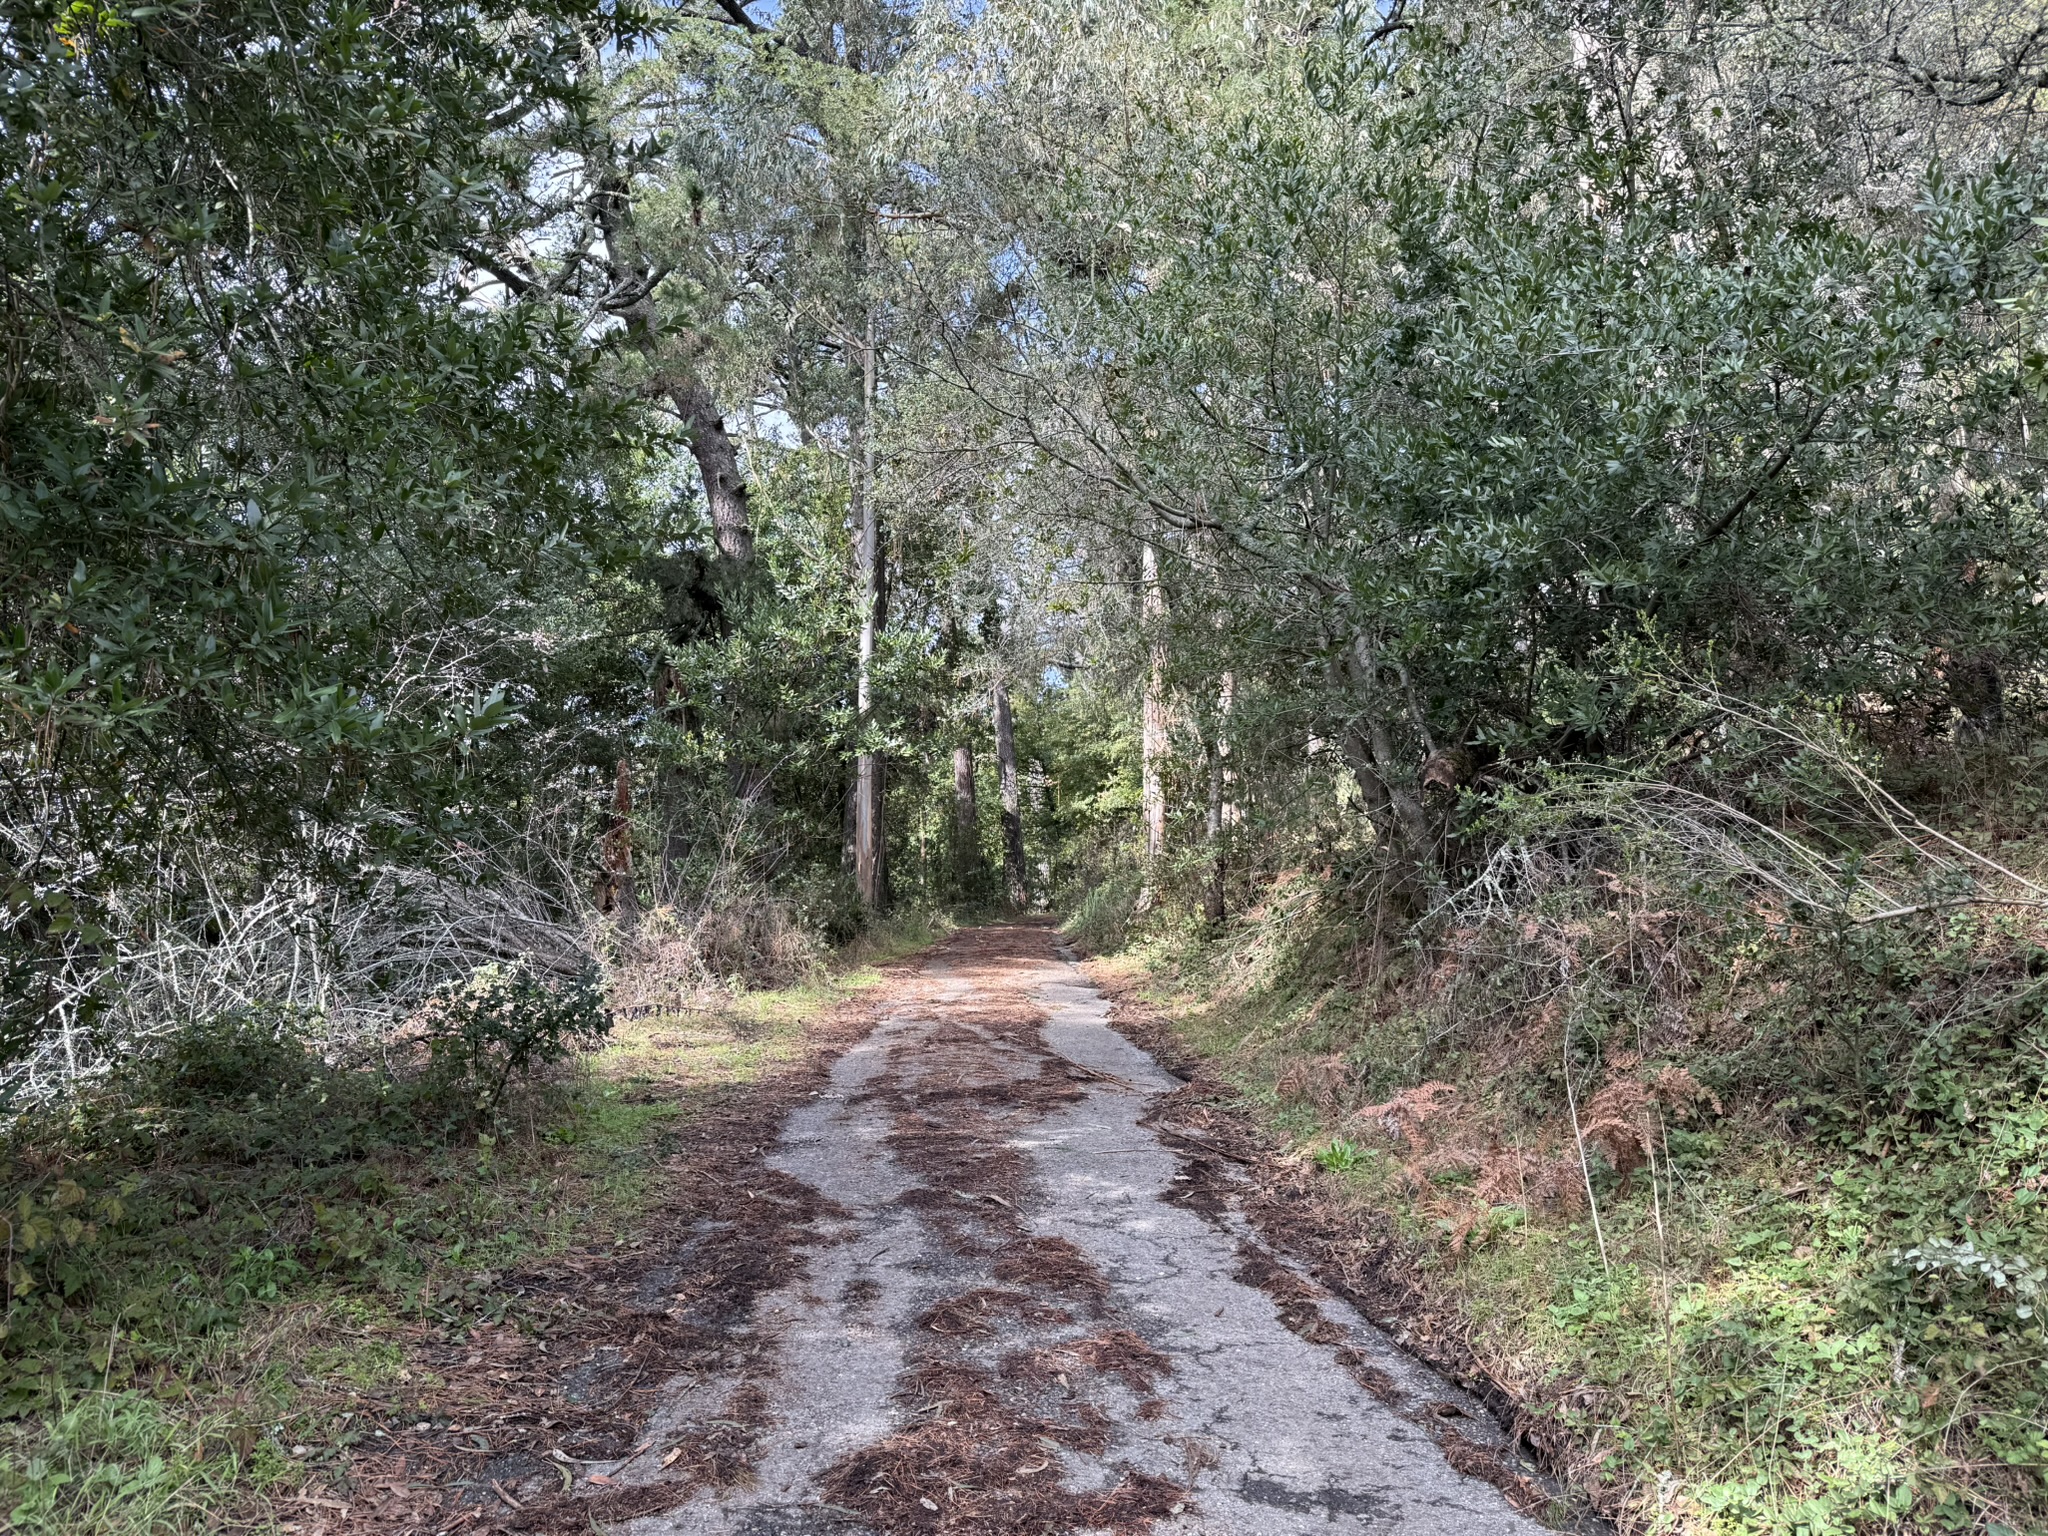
x,y
849,800
1015,879
869,874
718,460
1222,815
869,844
870,877
1038,785
966,824
1153,791
617,894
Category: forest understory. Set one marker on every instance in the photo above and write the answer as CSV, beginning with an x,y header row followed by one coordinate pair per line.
x,y
1487,562
286,1307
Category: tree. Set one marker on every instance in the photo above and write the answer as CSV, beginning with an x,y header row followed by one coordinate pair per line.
x,y
276,485
1155,715
1467,364
1016,879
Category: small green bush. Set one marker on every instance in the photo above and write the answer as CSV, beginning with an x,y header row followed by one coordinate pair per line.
x,y
506,1022
1342,1155
229,1060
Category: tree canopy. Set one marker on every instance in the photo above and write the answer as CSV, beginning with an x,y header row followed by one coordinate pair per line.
x,y
410,419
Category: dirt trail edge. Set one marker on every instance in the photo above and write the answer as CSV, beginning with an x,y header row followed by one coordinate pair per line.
x,y
1015,1297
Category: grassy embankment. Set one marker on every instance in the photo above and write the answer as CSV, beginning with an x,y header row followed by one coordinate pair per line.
x,y
1756,1208
218,1262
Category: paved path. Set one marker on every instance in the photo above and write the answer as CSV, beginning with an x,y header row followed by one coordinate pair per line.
x,y
1007,1324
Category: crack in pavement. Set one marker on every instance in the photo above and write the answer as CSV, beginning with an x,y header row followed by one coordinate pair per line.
x,y
1005,1324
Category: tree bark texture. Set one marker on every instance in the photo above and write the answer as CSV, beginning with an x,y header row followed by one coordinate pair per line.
x,y
1015,879
1155,723
718,461
869,872
966,823
870,877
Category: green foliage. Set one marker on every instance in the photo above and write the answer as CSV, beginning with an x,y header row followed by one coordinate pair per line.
x,y
275,490
1342,1155
188,565
122,1465
1445,369
506,1022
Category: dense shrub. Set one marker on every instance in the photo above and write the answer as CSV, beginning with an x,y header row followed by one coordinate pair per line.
x,y
505,1021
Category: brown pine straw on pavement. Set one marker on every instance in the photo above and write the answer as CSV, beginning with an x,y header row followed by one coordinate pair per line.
x,y
522,1412
1229,1164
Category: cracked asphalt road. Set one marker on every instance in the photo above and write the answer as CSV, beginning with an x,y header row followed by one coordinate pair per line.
x,y
1014,1317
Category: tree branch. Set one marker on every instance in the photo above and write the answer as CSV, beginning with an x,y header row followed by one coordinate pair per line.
x,y
737,14
2011,76
1772,470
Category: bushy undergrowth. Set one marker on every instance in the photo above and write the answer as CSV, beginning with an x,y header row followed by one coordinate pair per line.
x,y
222,1246
1101,920
1724,1115
236,1165
675,955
